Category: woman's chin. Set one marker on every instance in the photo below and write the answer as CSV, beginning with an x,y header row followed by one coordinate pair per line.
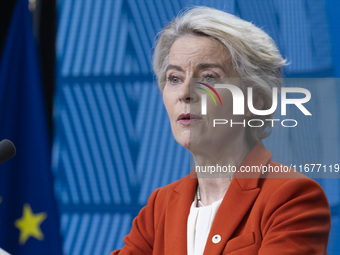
x,y
192,140
184,142
193,145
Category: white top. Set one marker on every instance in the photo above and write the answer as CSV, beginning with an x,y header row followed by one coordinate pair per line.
x,y
198,227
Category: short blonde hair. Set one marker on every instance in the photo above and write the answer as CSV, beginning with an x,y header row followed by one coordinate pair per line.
x,y
253,53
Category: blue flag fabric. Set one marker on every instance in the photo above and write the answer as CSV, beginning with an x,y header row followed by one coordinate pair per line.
x,y
28,211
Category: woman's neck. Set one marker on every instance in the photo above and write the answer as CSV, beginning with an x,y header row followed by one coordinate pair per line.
x,y
214,172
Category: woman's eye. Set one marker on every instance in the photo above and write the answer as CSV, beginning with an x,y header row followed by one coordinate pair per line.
x,y
173,79
209,79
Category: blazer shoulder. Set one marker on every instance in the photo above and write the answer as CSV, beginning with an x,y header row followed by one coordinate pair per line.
x,y
282,187
293,209
278,189
174,186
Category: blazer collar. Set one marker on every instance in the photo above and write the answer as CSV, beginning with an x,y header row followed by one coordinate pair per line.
x,y
240,196
177,213
259,156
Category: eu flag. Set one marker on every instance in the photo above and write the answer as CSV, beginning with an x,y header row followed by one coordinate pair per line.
x,y
28,212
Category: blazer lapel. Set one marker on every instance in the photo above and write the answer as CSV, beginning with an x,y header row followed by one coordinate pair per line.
x,y
240,196
177,213
230,214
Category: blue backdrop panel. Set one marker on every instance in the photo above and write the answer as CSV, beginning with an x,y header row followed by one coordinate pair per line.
x,y
113,143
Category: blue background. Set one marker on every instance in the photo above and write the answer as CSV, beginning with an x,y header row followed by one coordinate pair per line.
x,y
113,144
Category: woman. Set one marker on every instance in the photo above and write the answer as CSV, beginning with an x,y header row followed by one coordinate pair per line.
x,y
225,213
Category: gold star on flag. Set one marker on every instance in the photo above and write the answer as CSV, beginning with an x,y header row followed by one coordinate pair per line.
x,y
29,224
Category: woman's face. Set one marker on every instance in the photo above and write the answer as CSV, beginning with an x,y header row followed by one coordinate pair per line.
x,y
205,60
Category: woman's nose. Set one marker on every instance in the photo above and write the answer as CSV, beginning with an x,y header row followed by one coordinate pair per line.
x,y
187,93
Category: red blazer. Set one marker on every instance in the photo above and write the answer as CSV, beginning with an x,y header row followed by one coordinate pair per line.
x,y
267,216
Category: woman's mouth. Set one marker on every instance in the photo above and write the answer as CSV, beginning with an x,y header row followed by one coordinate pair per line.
x,y
187,118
